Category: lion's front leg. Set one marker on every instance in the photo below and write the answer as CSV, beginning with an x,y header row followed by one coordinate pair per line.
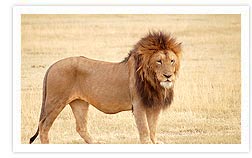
x,y
141,122
152,118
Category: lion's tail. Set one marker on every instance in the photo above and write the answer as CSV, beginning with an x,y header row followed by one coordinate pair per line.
x,y
42,113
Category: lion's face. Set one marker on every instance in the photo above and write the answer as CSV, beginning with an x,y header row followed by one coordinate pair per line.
x,y
163,65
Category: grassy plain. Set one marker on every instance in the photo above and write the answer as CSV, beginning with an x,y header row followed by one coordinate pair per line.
x,y
207,103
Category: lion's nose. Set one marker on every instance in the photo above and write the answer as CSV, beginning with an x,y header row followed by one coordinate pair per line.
x,y
167,75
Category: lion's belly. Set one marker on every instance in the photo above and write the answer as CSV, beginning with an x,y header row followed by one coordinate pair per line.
x,y
108,100
111,108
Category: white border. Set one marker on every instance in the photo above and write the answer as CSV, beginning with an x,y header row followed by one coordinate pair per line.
x,y
245,49
131,9
18,10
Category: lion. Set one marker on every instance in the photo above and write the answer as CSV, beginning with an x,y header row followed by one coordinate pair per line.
x,y
143,82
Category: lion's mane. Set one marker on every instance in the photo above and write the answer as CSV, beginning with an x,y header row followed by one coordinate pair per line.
x,y
152,94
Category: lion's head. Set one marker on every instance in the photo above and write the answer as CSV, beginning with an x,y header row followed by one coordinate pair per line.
x,y
157,62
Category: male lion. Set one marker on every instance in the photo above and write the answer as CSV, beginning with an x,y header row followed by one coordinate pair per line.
x,y
142,82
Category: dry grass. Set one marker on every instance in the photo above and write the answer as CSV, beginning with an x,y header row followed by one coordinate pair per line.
x,y
207,103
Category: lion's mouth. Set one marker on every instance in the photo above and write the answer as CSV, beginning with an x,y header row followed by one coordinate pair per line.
x,y
166,84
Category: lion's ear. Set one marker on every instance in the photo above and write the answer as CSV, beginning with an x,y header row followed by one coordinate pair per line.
x,y
139,52
178,50
180,44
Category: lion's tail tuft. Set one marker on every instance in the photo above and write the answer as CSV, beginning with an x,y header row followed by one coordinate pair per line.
x,y
34,137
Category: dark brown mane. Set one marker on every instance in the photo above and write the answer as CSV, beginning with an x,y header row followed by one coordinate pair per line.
x,y
152,94
154,42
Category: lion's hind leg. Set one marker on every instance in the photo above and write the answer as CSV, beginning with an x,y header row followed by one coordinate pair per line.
x,y
80,111
46,123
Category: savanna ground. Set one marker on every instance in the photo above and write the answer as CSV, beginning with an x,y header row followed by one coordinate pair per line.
x,y
207,103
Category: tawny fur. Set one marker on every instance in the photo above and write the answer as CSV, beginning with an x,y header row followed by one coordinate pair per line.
x,y
136,83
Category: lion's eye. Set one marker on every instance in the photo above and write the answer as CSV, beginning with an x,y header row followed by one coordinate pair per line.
x,y
172,61
159,62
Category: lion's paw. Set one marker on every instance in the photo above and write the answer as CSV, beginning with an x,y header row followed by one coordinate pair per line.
x,y
159,142
99,142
